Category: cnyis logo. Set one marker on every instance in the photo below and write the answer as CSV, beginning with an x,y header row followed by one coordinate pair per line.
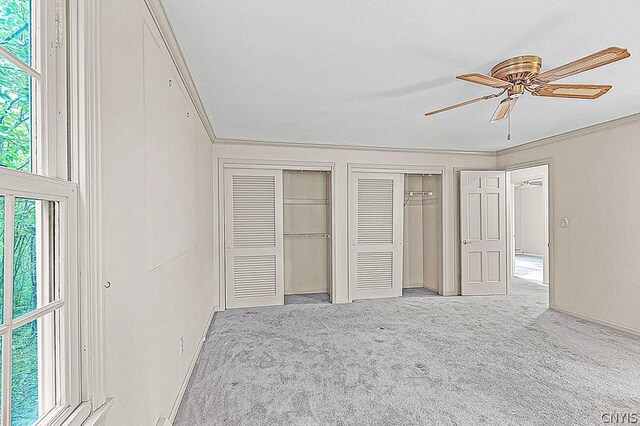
x,y
621,418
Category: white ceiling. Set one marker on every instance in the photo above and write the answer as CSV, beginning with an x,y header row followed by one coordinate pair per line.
x,y
363,72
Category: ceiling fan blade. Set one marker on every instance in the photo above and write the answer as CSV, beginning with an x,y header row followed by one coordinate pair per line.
x,y
485,80
574,91
587,63
461,104
504,109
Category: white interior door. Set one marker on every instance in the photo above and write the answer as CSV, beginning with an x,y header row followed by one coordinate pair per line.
x,y
483,232
376,235
253,238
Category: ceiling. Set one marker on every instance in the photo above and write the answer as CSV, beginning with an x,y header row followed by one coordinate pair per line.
x,y
364,72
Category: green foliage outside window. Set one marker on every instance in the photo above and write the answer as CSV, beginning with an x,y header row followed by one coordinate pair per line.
x,y
16,99
15,86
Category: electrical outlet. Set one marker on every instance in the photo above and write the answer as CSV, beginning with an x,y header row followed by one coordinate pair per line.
x,y
181,345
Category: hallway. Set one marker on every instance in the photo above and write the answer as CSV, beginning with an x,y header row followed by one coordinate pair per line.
x,y
529,268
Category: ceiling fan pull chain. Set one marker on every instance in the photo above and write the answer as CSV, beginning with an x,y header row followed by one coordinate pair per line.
x,y
509,131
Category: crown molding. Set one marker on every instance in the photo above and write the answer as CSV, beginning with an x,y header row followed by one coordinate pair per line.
x,y
600,127
159,16
584,131
350,147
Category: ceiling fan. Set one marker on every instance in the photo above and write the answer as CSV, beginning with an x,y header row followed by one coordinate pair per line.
x,y
522,73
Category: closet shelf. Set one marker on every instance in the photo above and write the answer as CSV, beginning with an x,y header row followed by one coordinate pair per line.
x,y
298,201
313,235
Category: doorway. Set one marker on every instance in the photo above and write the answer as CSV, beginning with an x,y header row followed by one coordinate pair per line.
x,y
529,225
422,229
276,234
395,231
307,236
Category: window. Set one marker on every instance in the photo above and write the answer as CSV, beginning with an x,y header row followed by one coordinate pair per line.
x,y
32,87
16,80
39,326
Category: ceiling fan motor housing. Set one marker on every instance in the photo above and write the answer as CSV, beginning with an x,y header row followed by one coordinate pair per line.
x,y
518,69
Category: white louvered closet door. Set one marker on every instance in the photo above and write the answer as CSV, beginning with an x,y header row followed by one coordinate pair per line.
x,y
376,235
254,238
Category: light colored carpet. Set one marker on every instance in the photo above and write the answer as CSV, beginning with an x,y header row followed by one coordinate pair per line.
x,y
413,360
529,268
304,299
418,292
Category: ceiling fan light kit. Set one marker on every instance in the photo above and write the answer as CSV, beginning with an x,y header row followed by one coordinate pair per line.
x,y
521,74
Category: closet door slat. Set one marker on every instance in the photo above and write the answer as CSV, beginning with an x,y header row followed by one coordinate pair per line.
x,y
254,238
376,235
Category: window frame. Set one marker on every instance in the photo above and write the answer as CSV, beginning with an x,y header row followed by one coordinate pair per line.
x,y
26,185
53,43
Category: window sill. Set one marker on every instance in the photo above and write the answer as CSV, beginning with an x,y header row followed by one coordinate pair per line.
x,y
83,415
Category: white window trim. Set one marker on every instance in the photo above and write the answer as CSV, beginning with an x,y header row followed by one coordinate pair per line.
x,y
70,150
27,185
83,50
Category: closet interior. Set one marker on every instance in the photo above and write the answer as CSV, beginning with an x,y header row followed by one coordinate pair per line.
x,y
307,233
422,252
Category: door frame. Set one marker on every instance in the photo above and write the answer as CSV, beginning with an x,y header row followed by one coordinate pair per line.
x,y
551,221
239,163
403,169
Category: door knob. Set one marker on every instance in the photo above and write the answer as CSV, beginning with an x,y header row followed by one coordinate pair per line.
x,y
465,242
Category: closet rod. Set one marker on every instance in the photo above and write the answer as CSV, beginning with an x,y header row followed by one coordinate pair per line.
x,y
313,235
418,192
412,193
306,171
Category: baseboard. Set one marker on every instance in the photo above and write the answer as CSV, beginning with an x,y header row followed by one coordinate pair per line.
x,y
176,405
606,323
218,309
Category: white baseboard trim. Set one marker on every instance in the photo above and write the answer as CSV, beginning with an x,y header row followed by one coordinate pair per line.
x,y
218,309
606,323
176,405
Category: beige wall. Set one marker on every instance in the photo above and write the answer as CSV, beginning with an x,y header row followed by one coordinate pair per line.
x,y
594,260
422,229
157,180
341,157
413,235
307,210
